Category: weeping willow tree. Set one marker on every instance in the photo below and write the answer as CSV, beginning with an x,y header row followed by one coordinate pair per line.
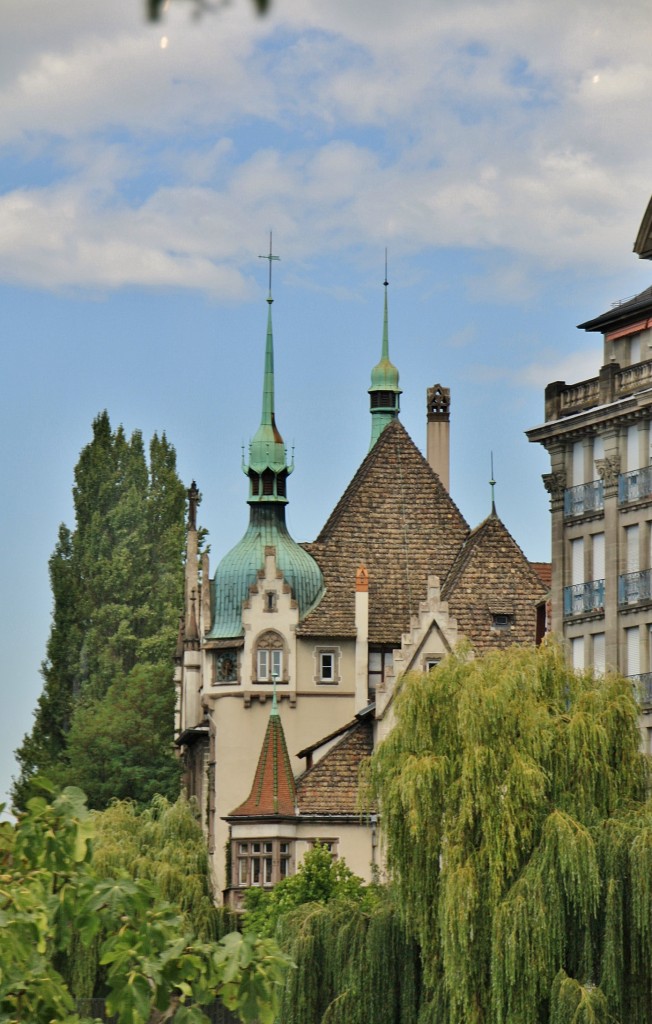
x,y
518,835
354,965
162,844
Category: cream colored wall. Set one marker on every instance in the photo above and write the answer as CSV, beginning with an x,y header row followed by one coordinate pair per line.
x,y
239,733
307,666
354,844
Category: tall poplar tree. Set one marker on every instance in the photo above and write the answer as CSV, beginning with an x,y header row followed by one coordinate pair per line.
x,y
117,587
519,836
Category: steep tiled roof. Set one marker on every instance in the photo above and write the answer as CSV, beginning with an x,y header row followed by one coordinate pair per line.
x,y
397,519
492,576
331,786
273,791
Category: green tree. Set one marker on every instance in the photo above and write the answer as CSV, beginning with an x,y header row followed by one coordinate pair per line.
x,y
117,586
513,798
155,968
120,747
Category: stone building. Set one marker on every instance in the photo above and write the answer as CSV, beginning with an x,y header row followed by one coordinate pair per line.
x,y
320,631
599,436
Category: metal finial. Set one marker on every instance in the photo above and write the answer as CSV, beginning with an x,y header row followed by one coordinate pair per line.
x,y
385,282
492,484
270,257
274,701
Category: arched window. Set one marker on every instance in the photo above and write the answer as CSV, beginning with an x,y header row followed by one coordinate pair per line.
x,y
269,660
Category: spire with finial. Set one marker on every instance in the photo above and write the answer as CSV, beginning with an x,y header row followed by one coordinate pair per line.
x,y
273,791
268,468
384,391
492,484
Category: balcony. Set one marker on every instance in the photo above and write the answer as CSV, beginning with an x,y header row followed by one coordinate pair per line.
x,y
584,498
634,587
635,485
582,598
642,684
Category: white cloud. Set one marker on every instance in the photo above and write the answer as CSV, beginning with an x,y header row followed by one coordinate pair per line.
x,y
427,124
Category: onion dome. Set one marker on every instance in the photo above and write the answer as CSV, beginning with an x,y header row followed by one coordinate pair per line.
x,y
384,391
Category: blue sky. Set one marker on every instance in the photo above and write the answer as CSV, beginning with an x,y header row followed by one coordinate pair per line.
x,y
499,150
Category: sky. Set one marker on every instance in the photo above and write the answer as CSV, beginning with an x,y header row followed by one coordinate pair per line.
x,y
500,151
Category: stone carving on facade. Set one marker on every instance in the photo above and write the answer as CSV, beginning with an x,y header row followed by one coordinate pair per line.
x,y
555,484
609,471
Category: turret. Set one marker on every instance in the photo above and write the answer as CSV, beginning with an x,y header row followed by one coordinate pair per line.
x,y
384,393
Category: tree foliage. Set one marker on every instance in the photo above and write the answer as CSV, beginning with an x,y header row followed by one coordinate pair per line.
x,y
117,587
50,892
513,799
319,879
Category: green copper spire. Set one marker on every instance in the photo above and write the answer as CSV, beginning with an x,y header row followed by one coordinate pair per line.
x,y
240,568
384,391
268,468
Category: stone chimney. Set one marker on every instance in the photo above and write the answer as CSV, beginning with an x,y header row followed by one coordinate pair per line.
x,y
438,432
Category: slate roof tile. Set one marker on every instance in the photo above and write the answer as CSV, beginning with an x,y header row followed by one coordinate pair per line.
x,y
331,785
396,518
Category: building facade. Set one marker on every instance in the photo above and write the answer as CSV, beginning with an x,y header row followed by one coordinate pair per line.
x,y
598,433
318,633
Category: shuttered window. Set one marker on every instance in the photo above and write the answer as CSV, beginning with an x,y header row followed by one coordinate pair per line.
x,y
633,458
578,463
598,453
577,653
632,549
598,556
598,654
577,560
632,650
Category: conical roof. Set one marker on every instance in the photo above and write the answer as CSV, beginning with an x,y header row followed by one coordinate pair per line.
x,y
273,793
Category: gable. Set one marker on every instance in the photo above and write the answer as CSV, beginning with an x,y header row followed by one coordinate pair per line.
x,y
492,581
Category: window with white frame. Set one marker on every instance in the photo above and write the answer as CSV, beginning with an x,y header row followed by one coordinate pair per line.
x,y
269,657
327,665
261,862
577,653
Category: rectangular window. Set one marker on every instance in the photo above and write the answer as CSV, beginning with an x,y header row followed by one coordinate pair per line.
x,y
632,651
378,665
633,459
577,561
262,862
578,464
631,544
263,664
327,666
598,556
577,653
598,453
269,663
598,654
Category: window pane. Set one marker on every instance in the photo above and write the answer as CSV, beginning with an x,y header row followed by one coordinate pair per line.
x,y
276,663
255,870
284,866
242,871
375,661
285,847
267,847
255,847
262,664
243,848
268,870
327,666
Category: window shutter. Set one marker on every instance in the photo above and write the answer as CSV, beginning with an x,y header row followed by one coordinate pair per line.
x,y
633,651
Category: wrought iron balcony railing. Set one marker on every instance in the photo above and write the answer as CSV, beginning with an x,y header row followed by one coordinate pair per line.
x,y
635,586
642,684
584,597
584,498
635,485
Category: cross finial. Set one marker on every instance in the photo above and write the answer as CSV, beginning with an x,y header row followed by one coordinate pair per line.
x,y
270,257
492,484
